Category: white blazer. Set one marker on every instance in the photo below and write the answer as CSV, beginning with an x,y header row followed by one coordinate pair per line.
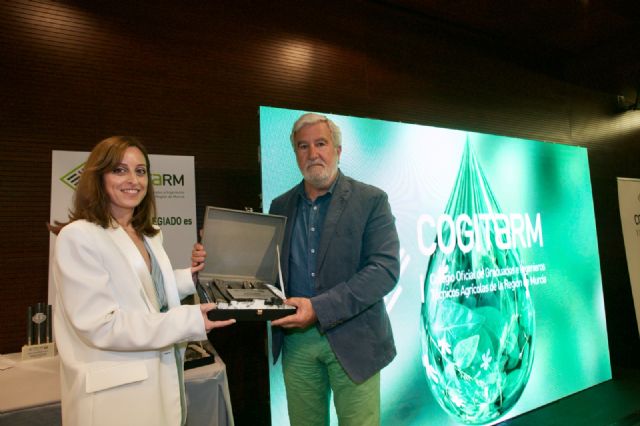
x,y
118,365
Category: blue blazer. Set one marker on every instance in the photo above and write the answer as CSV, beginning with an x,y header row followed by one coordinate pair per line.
x,y
357,266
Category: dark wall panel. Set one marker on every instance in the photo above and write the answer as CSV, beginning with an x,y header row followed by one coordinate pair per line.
x,y
188,79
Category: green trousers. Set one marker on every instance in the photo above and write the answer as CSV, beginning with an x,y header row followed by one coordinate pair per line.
x,y
312,372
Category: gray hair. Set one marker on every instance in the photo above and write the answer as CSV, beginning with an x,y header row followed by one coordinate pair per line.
x,y
313,118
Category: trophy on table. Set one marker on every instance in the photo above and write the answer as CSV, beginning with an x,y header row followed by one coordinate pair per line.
x,y
39,333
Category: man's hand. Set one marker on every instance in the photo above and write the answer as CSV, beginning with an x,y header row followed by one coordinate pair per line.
x,y
303,318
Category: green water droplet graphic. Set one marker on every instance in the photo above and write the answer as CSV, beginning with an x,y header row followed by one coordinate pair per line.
x,y
478,317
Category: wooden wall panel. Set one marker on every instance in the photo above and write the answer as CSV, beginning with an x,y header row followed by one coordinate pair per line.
x,y
188,78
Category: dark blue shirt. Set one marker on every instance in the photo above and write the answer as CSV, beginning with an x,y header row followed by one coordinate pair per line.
x,y
305,242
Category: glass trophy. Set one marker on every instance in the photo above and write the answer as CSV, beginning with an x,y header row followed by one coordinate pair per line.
x,y
39,332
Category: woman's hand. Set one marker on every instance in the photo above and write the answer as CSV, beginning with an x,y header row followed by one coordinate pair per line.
x,y
210,325
198,255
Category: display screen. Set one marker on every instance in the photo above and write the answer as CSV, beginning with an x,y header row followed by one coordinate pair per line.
x,y
499,306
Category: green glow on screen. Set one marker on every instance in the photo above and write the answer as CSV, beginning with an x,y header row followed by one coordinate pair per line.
x,y
417,166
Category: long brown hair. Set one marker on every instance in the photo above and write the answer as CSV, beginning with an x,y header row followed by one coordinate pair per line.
x,y
91,201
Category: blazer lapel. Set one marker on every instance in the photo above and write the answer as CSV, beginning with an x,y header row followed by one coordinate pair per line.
x,y
135,261
155,245
291,212
339,200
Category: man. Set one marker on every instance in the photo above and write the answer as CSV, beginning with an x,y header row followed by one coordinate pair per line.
x,y
339,259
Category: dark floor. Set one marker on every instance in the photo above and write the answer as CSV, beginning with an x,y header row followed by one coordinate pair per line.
x,y
612,403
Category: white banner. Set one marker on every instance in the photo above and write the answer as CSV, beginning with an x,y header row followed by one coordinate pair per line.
x,y
629,199
174,183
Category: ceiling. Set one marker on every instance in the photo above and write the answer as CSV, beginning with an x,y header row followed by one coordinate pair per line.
x,y
592,43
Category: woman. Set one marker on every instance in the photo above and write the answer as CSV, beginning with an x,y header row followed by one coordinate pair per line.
x,y
118,320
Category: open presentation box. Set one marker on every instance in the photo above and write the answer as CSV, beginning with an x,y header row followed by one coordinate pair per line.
x,y
242,266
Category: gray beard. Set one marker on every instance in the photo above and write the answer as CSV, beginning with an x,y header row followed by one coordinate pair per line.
x,y
320,180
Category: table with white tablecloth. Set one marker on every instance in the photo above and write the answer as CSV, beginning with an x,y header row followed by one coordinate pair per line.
x,y
30,393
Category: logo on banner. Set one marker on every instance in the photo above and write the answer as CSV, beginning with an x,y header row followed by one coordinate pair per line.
x,y
166,179
72,177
